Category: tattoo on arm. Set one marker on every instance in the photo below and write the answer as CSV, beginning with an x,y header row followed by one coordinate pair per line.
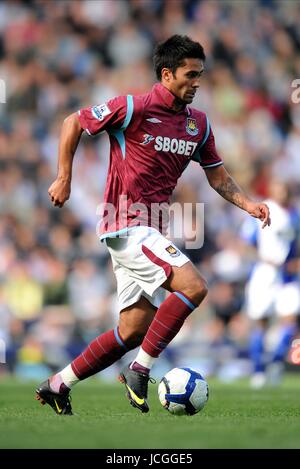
x,y
230,191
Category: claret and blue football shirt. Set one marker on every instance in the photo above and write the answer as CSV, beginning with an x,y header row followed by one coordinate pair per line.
x,y
151,145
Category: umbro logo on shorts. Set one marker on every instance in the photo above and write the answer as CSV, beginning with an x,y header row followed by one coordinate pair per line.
x,y
172,251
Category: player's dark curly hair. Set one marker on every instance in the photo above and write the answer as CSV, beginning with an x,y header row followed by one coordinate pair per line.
x,y
171,53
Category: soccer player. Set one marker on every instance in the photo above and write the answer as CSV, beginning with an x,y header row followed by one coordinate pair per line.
x,y
273,289
153,137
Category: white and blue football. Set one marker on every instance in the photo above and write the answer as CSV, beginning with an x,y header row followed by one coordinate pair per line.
x,y
183,391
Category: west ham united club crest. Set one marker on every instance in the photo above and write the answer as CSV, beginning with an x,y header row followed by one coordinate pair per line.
x,y
172,251
191,126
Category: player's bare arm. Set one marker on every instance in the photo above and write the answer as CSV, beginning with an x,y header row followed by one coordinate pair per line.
x,y
60,189
225,185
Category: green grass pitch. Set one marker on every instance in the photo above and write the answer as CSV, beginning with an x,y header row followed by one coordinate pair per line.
x,y
235,417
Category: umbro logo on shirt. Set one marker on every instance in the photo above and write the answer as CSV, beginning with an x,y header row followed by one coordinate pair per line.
x,y
154,120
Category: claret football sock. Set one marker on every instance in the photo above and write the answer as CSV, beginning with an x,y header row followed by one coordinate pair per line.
x,y
166,324
102,352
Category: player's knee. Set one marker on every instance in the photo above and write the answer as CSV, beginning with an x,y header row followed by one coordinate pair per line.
x,y
133,336
197,290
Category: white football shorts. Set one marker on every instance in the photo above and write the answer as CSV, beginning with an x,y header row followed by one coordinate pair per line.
x,y
267,295
142,261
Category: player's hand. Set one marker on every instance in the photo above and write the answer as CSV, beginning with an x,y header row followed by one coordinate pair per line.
x,y
260,211
59,192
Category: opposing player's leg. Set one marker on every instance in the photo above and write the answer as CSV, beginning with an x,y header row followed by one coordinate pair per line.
x,y
260,295
276,366
102,352
287,307
257,352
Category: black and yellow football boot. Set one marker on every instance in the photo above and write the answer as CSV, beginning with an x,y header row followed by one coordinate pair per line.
x,y
136,384
60,402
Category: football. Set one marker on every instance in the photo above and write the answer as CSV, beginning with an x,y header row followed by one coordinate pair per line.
x,y
183,391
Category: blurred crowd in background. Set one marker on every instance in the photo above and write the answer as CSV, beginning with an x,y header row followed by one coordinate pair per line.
x,y
57,289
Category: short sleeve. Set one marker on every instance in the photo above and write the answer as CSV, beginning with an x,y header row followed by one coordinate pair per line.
x,y
209,156
106,116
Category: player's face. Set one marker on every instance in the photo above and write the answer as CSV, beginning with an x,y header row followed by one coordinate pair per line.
x,y
186,80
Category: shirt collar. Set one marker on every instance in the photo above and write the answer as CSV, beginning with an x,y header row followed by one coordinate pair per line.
x,y
165,95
